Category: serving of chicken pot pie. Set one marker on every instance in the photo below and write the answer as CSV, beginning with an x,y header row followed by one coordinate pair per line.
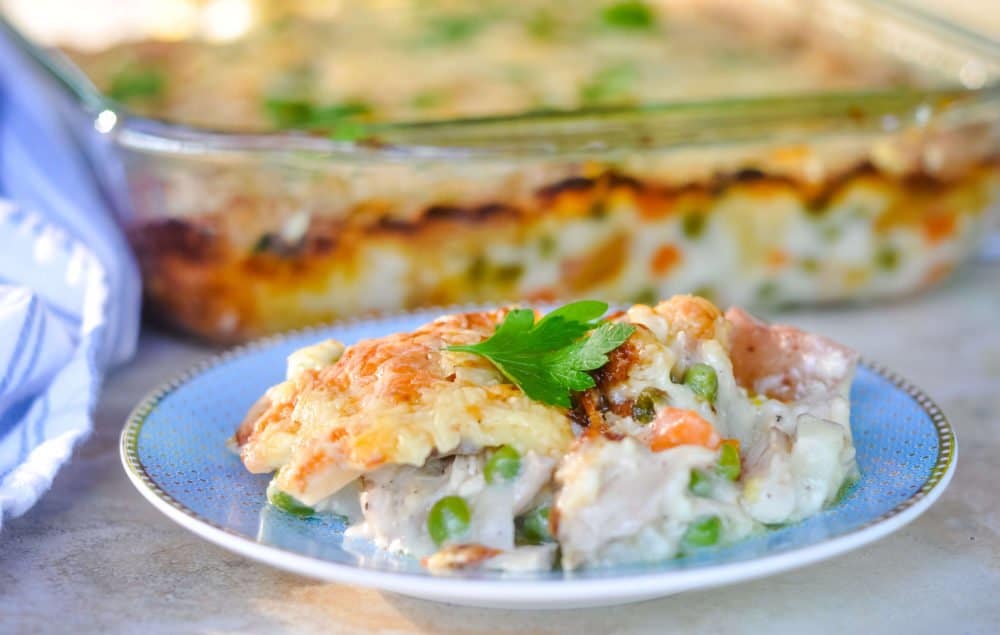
x,y
509,440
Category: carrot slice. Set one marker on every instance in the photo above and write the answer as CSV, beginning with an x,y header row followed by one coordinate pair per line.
x,y
665,259
938,227
675,426
777,259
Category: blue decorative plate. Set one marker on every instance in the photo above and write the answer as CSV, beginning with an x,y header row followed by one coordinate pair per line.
x,y
174,451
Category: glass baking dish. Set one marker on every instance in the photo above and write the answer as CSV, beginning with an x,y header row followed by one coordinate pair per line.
x,y
758,198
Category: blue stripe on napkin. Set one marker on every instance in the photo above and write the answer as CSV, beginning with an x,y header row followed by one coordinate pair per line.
x,y
69,291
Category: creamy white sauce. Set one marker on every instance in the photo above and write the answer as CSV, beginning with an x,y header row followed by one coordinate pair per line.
x,y
621,502
615,499
396,500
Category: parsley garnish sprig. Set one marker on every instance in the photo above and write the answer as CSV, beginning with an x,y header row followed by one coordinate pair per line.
x,y
550,358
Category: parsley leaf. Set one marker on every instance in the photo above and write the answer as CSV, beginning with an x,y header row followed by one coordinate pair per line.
x,y
287,112
629,14
133,82
550,358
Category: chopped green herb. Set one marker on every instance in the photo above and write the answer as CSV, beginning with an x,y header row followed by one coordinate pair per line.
x,y
301,113
550,358
350,131
287,503
533,527
703,532
133,83
703,381
644,406
810,265
628,14
448,519
504,465
288,113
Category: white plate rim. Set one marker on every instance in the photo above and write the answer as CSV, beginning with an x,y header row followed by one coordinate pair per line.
x,y
520,593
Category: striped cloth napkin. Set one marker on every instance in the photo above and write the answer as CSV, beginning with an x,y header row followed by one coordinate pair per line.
x,y
69,291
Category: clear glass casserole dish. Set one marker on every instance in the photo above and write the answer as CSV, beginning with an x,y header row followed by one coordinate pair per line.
x,y
876,187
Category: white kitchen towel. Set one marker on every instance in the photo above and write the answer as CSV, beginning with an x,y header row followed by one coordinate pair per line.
x,y
69,290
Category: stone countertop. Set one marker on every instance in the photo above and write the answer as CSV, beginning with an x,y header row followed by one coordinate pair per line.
x,y
94,556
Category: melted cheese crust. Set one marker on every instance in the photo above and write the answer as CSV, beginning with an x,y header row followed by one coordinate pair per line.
x,y
398,399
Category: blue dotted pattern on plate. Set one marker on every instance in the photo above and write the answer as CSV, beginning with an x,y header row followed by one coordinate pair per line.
x,y
182,446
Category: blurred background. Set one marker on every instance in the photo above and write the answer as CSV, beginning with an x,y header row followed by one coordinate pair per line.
x,y
279,164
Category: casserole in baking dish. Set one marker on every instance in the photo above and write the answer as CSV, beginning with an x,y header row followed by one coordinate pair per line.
x,y
766,154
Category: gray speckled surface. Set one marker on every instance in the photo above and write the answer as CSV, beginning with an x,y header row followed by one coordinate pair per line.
x,y
93,554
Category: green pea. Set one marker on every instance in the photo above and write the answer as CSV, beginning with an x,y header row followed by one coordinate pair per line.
x,y
693,224
504,465
546,246
700,484
533,527
887,258
703,532
729,462
288,504
448,519
644,406
701,379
